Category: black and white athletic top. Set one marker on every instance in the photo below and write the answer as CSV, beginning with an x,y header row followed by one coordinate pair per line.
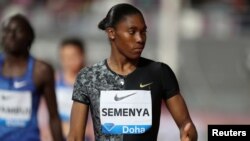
x,y
126,108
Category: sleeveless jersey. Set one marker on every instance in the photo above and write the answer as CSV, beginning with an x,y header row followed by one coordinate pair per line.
x,y
19,102
63,96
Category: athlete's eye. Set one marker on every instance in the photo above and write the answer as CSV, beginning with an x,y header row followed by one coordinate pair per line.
x,y
131,31
19,30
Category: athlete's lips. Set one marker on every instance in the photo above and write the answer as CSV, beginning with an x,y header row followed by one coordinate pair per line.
x,y
138,49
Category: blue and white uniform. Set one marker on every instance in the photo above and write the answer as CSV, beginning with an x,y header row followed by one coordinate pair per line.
x,y
19,100
63,95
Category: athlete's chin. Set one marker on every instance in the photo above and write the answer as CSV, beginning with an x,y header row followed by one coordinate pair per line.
x,y
135,56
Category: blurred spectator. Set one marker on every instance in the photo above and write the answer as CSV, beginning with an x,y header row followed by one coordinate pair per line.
x,y
67,8
196,3
243,9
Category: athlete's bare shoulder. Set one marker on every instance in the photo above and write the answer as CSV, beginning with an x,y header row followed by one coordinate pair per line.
x,y
43,73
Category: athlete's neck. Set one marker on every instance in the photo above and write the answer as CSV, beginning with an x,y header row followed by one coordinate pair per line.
x,y
11,59
14,65
121,65
69,77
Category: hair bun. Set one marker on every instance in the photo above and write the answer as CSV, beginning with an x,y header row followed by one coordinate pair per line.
x,y
103,24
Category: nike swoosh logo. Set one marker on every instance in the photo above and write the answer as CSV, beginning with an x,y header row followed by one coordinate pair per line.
x,y
121,98
145,85
20,84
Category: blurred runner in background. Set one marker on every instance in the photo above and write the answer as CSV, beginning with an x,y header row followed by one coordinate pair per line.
x,y
24,80
72,60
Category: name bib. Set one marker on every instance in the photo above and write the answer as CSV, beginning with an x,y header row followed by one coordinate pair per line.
x,y
64,102
15,108
126,111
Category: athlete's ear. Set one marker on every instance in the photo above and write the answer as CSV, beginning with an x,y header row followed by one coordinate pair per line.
x,y
111,33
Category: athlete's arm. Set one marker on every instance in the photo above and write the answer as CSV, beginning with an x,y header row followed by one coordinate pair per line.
x,y
45,75
178,109
79,116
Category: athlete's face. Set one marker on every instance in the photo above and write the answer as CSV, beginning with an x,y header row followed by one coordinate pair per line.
x,y
72,58
130,36
15,37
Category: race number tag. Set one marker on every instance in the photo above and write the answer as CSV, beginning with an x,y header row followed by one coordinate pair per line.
x,y
15,108
64,102
126,111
